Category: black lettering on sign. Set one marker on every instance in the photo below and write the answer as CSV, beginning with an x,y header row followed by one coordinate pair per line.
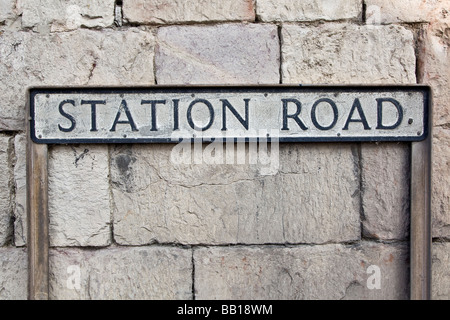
x,y
175,114
66,115
93,104
123,106
314,117
153,104
292,116
211,114
226,104
362,117
399,108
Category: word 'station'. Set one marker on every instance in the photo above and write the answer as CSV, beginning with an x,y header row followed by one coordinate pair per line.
x,y
287,113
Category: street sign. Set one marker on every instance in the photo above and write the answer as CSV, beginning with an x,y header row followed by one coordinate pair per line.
x,y
284,112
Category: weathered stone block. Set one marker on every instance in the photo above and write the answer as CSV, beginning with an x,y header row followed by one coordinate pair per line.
x,y
312,199
13,274
246,53
79,207
440,198
57,16
331,271
321,191
309,10
105,57
440,273
181,11
20,180
347,54
12,86
385,172
434,64
121,273
391,11
6,226
391,262
8,11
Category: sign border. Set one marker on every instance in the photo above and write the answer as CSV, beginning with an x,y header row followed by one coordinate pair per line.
x,y
420,192
228,88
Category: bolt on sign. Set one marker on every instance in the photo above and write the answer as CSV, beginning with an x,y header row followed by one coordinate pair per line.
x,y
170,114
287,113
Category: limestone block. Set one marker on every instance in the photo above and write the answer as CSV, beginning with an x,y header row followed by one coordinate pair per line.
x,y
6,227
58,16
391,11
8,11
434,70
434,64
13,274
440,273
311,198
162,273
385,190
12,86
218,54
326,192
440,197
182,11
388,261
309,10
81,57
332,271
79,207
20,180
347,54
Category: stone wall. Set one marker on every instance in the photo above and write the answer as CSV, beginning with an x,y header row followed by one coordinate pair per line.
x,y
126,222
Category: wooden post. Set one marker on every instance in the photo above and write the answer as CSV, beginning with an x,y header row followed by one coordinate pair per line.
x,y
37,215
420,229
